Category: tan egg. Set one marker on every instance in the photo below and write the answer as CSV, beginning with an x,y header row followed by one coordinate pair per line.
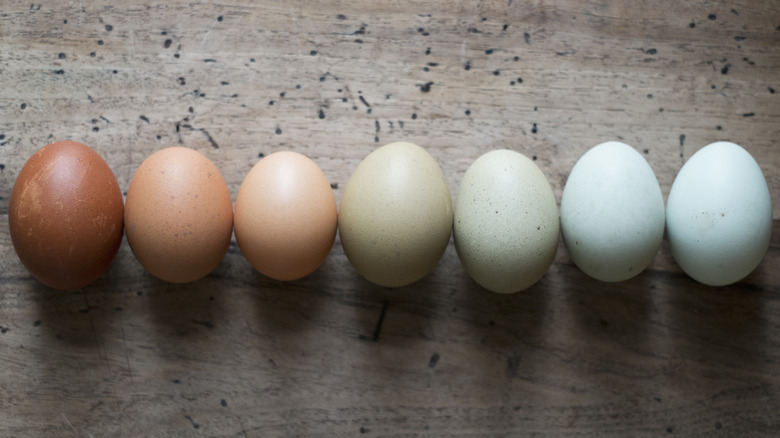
x,y
395,218
286,217
179,215
65,215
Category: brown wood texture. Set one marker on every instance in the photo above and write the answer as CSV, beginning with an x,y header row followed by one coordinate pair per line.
x,y
239,355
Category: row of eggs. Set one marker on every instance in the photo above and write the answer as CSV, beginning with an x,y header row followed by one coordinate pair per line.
x,y
396,216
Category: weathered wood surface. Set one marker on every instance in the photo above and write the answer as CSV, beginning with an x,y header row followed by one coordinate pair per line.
x,y
238,355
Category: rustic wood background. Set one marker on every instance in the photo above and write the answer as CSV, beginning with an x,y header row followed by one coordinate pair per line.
x,y
239,355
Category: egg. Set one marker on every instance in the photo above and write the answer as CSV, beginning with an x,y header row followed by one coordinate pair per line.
x,y
506,222
178,215
719,215
285,218
612,213
65,215
395,217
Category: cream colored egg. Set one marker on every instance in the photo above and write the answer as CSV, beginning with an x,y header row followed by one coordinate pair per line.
x,y
506,222
395,216
612,212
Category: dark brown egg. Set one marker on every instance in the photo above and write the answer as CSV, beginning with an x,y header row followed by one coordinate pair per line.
x,y
66,215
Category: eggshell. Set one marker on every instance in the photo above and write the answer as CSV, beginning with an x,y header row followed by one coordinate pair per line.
x,y
612,212
506,222
719,215
395,217
65,215
285,219
179,215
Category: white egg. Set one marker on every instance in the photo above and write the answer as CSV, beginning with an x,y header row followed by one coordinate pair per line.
x,y
612,212
719,215
506,222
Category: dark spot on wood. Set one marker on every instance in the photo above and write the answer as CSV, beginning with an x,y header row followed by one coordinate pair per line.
x,y
414,116
692,25
771,90
725,69
527,37
363,430
364,102
651,51
426,87
281,95
533,158
712,17
519,80
496,73
61,55
735,12
115,71
219,18
59,72
719,128
313,53
23,106
109,27
669,429
194,424
433,360
534,129
191,110
739,39
209,60
260,155
4,330
649,95
37,323
359,41
428,51
223,403
207,324
278,130
376,125
92,54
646,151
251,59
95,129
378,327
341,17
474,30
167,43
468,65
489,52
182,81
100,42
682,140
321,114
468,112
144,118
334,186
748,114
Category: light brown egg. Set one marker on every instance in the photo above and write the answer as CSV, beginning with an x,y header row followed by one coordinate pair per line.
x,y
286,216
179,215
65,215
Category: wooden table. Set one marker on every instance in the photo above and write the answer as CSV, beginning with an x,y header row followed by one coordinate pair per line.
x,y
239,355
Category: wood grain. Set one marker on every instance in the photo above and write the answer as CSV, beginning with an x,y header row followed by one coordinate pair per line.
x,y
239,355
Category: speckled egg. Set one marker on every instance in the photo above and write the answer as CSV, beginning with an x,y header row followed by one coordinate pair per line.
x,y
285,218
178,215
612,212
506,222
719,215
65,215
395,218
